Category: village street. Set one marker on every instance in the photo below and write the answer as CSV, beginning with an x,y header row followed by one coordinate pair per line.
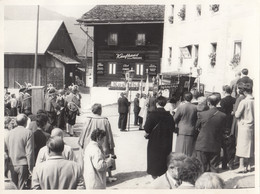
x,y
131,152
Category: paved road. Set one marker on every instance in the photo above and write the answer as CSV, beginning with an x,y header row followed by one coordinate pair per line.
x,y
131,154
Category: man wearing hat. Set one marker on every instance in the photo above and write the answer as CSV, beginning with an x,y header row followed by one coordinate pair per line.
x,y
50,106
123,105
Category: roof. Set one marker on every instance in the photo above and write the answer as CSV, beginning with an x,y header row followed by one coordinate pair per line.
x,y
20,36
63,58
107,14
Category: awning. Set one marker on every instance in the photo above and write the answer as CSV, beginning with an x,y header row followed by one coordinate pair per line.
x,y
63,58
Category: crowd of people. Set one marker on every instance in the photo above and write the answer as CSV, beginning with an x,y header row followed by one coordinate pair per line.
x,y
217,130
185,139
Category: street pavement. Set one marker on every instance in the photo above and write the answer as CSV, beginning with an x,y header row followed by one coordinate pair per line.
x,y
131,149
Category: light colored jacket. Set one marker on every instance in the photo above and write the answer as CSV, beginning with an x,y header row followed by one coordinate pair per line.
x,y
57,173
95,166
67,154
19,146
93,122
245,112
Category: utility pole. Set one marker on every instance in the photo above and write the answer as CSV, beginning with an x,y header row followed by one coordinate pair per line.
x,y
36,49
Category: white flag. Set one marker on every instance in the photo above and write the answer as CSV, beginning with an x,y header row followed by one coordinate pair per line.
x,y
146,89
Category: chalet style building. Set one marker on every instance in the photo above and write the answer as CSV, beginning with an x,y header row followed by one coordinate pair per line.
x,y
56,54
126,37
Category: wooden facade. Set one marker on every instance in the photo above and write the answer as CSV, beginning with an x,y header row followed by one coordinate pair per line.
x,y
51,68
127,53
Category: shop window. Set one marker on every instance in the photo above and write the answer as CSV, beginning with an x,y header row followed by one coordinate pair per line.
x,y
140,39
112,39
139,69
112,68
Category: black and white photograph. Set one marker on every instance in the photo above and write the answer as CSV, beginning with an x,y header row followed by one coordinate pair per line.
x,y
130,95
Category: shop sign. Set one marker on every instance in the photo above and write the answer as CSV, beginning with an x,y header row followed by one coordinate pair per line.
x,y
135,56
125,67
152,69
100,69
118,84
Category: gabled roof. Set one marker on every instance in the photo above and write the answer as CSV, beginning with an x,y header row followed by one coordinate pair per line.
x,y
63,58
107,14
20,36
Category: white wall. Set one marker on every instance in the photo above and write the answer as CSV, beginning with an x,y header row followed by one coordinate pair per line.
x,y
233,22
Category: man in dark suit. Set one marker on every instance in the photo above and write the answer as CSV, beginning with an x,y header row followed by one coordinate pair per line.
x,y
136,109
244,78
227,104
123,105
212,125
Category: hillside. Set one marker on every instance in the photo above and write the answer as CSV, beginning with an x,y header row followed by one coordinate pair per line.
x,y
30,13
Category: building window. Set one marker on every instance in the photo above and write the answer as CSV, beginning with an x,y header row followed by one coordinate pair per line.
x,y
237,48
140,39
237,54
171,15
213,54
139,69
170,52
112,68
198,7
182,13
112,39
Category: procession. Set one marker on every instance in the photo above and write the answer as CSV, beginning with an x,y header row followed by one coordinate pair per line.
x,y
132,117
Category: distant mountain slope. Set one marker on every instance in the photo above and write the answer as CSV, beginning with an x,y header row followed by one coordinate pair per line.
x,y
30,13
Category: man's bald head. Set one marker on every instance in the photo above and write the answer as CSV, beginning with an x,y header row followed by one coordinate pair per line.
x,y
55,145
57,132
21,120
213,100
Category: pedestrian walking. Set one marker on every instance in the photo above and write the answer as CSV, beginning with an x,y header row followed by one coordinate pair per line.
x,y
123,108
57,172
159,128
95,161
93,122
211,124
19,144
186,117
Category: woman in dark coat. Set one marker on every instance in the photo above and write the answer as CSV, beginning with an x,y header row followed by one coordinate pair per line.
x,y
159,127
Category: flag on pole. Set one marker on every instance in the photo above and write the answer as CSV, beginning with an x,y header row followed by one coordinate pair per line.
x,y
141,87
146,89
